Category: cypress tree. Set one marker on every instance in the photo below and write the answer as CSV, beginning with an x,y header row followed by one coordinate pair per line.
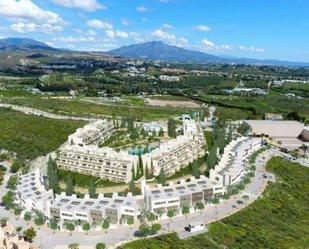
x,y
69,186
161,177
92,191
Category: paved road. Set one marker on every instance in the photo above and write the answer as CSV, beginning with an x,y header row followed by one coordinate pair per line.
x,y
37,112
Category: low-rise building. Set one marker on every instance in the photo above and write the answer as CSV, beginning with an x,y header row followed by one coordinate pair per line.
x,y
105,162
116,209
31,192
93,133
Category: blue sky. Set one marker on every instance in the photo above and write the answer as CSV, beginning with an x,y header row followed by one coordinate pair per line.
x,y
277,29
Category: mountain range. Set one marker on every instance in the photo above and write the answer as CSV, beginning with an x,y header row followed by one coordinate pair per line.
x,y
152,51
157,50
23,44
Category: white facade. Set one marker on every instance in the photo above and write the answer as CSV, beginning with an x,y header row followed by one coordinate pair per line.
x,y
93,133
104,162
31,192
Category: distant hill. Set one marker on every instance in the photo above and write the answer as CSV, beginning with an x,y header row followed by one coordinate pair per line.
x,y
23,44
158,50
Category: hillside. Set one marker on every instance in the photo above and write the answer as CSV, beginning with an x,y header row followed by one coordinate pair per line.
x,y
23,44
158,50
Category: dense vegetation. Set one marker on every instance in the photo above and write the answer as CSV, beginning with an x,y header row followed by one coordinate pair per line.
x,y
277,220
31,136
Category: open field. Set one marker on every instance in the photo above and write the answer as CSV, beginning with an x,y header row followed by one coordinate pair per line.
x,y
279,219
31,136
78,107
172,103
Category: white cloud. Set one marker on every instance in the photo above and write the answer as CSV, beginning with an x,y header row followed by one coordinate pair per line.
x,y
27,10
126,22
71,39
170,38
97,24
226,47
164,1
112,34
87,5
207,43
162,35
167,26
251,49
144,19
203,28
35,28
142,9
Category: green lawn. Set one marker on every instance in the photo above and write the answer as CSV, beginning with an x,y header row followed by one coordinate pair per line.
x,y
31,136
277,220
85,180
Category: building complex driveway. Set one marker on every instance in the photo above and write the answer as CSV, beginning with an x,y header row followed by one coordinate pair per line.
x,y
46,239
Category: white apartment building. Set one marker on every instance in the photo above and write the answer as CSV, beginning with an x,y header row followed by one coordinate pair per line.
x,y
105,162
117,209
233,163
229,171
175,154
31,192
160,199
93,133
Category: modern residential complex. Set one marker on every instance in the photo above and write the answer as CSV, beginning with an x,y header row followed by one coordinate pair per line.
x,y
32,194
85,158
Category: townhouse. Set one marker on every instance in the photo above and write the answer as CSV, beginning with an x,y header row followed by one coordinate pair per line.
x,y
161,199
234,161
117,209
32,193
